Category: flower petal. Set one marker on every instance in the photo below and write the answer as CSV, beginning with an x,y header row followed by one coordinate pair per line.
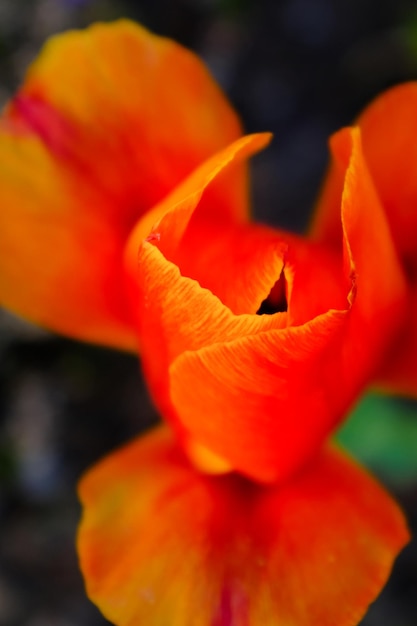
x,y
160,543
388,127
180,226
82,159
379,288
180,315
266,401
201,199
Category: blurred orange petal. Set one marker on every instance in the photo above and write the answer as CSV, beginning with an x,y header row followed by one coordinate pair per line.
x,y
82,158
388,127
160,543
262,392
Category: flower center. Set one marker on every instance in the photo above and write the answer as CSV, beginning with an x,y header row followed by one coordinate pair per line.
x,y
276,301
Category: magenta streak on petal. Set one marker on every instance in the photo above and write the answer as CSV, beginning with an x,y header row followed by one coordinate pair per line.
x,y
30,114
232,609
40,118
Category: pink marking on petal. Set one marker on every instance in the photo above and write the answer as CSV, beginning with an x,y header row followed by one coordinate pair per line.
x,y
153,237
233,608
27,114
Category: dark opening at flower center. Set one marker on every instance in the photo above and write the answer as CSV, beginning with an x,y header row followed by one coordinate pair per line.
x,y
276,302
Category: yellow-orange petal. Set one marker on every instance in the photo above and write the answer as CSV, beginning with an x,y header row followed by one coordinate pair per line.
x,y
263,392
160,543
82,159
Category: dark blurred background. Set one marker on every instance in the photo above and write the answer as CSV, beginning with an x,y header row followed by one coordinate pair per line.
x,y
300,68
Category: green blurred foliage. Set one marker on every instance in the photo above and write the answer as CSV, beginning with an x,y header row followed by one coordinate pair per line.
x,y
409,31
382,433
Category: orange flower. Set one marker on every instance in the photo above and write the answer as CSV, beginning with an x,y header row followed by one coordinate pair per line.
x,y
164,543
260,393
387,127
131,173
108,121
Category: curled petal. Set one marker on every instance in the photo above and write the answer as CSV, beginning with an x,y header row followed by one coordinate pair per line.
x,y
160,543
82,158
179,316
388,127
264,402
203,197
379,289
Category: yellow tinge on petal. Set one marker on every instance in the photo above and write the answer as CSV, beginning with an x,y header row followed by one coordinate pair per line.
x,y
207,461
109,120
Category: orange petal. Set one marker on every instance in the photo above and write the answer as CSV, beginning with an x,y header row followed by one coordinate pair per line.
x,y
263,392
266,401
203,197
82,159
180,316
379,287
388,126
160,543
